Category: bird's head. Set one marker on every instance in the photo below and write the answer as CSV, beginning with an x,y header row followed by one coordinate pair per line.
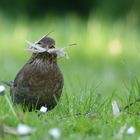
x,y
46,47
42,47
46,43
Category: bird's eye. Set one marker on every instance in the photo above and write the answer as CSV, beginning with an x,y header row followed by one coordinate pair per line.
x,y
39,43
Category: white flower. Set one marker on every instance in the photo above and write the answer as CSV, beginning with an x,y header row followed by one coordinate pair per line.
x,y
2,89
131,130
54,132
115,108
43,109
24,129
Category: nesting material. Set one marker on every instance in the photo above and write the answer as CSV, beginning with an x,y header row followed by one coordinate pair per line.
x,y
35,48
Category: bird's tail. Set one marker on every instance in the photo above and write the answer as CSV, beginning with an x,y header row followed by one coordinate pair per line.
x,y
8,83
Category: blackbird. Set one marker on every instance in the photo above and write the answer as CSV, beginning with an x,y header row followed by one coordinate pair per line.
x,y
40,81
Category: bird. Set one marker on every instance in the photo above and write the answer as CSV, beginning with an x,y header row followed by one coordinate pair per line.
x,y
40,81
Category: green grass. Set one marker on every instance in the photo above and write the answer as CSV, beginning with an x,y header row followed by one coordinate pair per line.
x,y
96,74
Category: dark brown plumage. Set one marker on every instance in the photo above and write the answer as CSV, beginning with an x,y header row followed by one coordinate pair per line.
x,y
40,81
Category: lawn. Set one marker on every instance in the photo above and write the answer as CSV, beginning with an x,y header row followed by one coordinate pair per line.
x,y
103,66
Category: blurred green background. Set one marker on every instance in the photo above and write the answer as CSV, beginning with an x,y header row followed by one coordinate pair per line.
x,y
106,33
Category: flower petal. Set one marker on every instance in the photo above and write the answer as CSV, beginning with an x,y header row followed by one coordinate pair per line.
x,y
115,108
131,130
43,109
2,90
55,133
